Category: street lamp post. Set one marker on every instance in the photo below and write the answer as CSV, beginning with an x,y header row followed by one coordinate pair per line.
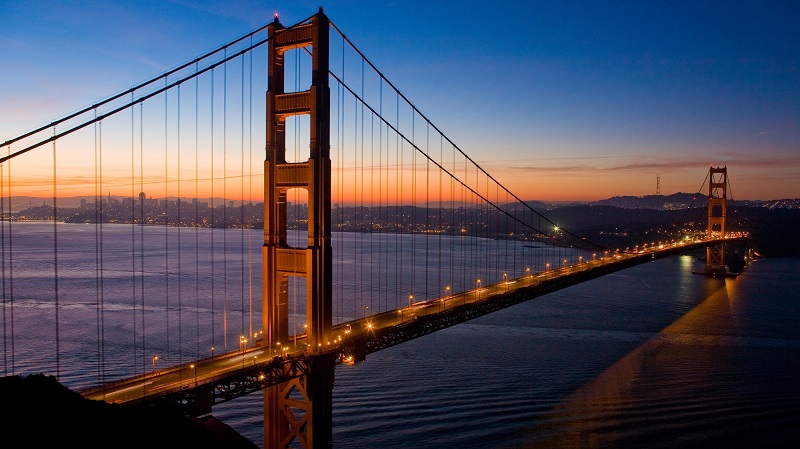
x,y
155,357
194,368
478,288
505,280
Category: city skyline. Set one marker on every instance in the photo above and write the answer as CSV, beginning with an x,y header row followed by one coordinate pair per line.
x,y
576,102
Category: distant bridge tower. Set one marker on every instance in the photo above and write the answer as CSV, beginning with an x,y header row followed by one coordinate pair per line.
x,y
298,411
717,211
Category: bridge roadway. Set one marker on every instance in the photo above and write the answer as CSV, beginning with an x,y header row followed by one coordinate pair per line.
x,y
199,385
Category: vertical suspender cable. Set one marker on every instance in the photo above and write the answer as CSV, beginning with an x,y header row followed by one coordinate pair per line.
x,y
142,198
11,270
372,207
179,225
358,251
451,234
97,252
242,227
381,255
339,278
225,203
413,203
466,252
427,234
295,157
55,260
102,267
211,229
133,229
250,189
3,266
440,227
10,283
197,214
8,276
399,190
342,157
98,220
166,216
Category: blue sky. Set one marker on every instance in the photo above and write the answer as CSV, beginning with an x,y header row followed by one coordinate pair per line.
x,y
558,100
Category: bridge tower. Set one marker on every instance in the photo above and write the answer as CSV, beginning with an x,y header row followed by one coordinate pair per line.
x,y
717,211
298,411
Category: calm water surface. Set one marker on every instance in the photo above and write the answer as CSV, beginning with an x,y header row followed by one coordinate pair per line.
x,y
650,357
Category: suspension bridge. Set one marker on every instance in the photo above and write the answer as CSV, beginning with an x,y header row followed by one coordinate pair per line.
x,y
164,245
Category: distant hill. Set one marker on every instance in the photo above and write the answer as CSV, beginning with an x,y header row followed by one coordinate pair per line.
x,y
676,201
680,201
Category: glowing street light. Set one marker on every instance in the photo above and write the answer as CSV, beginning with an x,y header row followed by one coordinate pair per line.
x,y
528,271
505,280
155,357
410,300
194,368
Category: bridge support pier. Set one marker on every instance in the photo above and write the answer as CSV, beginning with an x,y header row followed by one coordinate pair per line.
x,y
298,411
301,410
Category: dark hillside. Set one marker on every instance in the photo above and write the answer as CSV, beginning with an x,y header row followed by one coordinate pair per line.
x,y
773,232
37,411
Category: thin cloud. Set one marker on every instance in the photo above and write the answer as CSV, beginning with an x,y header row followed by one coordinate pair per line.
x,y
762,133
729,159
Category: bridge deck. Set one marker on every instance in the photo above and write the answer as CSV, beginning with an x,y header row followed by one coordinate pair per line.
x,y
199,385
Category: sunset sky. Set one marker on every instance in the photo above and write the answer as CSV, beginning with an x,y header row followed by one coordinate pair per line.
x,y
560,101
